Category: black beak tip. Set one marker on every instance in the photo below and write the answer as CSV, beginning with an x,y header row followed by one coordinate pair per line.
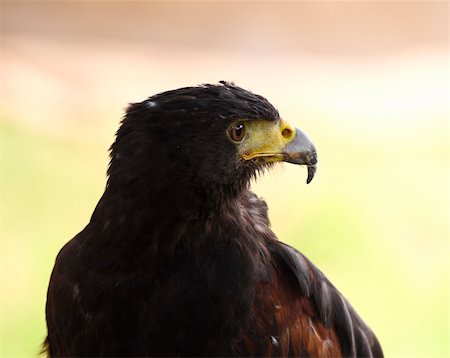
x,y
312,166
311,172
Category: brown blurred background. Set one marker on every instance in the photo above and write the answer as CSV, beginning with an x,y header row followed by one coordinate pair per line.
x,y
367,80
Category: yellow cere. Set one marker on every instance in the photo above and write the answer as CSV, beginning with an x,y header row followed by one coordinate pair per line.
x,y
266,139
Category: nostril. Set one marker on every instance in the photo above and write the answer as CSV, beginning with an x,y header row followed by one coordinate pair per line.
x,y
286,133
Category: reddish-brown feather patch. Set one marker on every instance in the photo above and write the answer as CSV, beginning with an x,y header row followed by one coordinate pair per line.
x,y
282,314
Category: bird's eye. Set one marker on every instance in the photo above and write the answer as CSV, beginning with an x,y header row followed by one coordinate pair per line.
x,y
237,132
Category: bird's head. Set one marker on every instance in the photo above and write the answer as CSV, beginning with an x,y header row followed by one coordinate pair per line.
x,y
206,137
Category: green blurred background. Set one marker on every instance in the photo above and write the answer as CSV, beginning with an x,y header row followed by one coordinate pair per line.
x,y
368,81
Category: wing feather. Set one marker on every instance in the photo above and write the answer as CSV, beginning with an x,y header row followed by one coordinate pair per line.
x,y
310,316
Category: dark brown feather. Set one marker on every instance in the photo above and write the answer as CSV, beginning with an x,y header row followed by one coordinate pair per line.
x,y
298,312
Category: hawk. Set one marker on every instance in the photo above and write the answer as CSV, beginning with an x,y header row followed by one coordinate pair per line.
x,y
179,259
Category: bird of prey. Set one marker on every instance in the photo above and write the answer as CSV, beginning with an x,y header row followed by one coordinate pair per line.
x,y
178,258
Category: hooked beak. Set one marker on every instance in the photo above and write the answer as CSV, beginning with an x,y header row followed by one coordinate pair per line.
x,y
302,151
279,142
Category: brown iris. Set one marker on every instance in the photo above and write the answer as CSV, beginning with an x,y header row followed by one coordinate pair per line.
x,y
237,131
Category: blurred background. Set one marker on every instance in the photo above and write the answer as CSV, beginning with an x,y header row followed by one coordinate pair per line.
x,y
368,81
